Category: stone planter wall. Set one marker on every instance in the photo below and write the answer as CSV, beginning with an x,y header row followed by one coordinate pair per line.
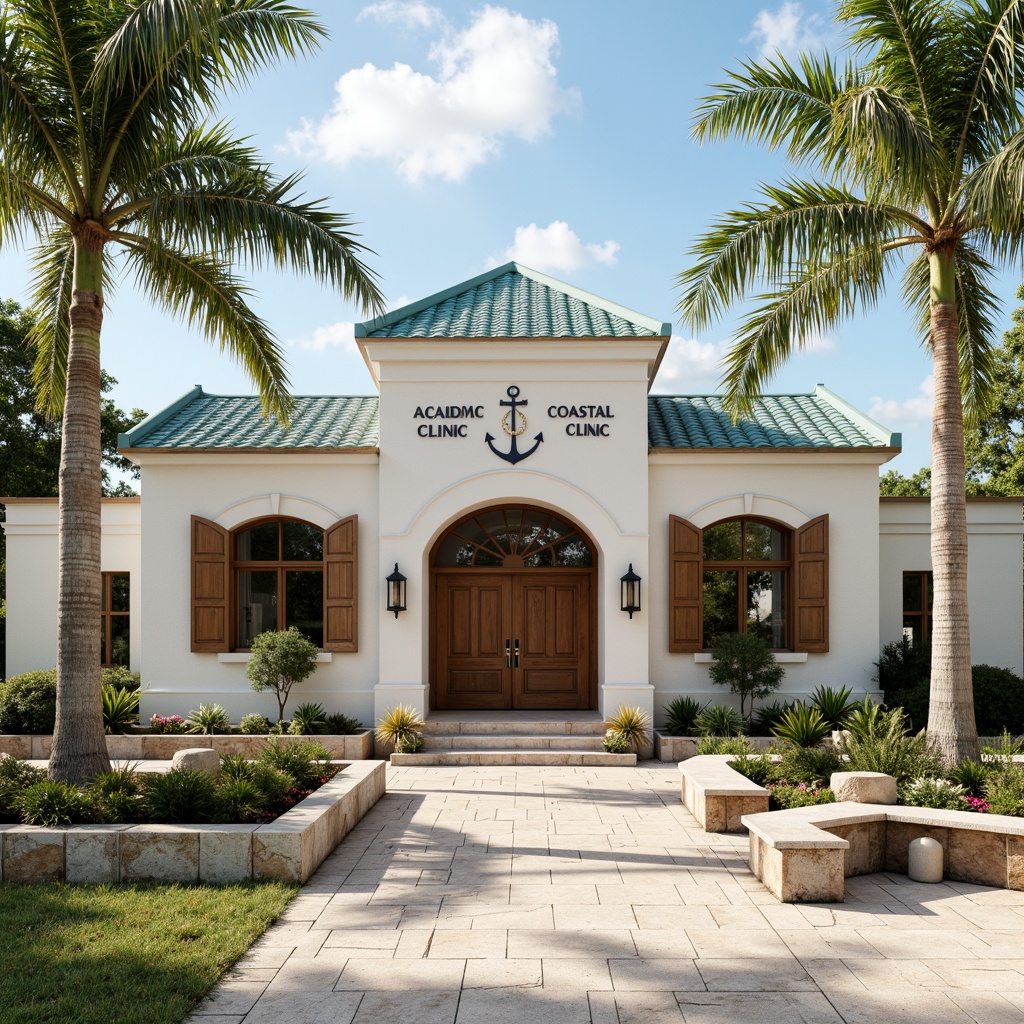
x,y
288,849
139,746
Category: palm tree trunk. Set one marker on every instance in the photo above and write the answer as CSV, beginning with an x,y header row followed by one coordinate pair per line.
x,y
79,744
951,725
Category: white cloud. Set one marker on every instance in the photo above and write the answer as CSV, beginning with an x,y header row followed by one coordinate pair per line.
x,y
341,334
909,411
413,14
815,344
691,367
556,247
788,31
495,79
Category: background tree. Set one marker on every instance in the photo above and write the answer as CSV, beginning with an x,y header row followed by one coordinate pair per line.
x,y
107,145
916,156
744,662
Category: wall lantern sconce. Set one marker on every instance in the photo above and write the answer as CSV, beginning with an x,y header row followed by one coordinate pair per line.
x,y
396,591
630,591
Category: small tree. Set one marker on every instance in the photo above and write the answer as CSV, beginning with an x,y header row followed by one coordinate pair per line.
x,y
279,660
744,662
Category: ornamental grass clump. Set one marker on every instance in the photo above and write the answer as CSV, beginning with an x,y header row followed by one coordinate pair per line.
x,y
632,724
720,720
55,804
739,746
278,660
402,726
15,778
306,764
344,725
802,726
180,795
891,750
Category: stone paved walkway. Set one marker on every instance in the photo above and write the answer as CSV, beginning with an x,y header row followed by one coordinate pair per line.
x,y
572,895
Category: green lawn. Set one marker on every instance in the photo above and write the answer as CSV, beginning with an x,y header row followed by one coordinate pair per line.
x,y
121,954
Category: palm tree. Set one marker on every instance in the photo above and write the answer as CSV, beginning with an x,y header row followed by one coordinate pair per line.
x,y
107,151
915,150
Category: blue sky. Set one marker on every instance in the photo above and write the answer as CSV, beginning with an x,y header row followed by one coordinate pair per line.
x,y
557,133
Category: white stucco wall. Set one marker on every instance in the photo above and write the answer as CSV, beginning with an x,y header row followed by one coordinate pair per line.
x,y
598,482
31,530
231,489
792,488
994,537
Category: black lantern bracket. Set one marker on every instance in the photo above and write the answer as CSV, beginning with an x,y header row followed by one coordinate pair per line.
x,y
630,583
396,591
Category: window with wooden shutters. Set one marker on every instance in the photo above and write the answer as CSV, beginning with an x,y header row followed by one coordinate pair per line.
x,y
341,620
685,612
211,586
810,598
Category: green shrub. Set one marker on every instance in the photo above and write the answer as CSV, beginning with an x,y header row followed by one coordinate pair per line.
x,y
631,723
121,678
271,782
681,716
180,795
234,767
116,794
863,721
401,725
892,751
719,720
759,768
802,726
304,763
1004,789
934,792
904,673
15,778
615,743
308,719
744,662
833,705
28,702
782,797
972,775
736,745
344,725
253,724
209,719
120,709
768,715
998,700
278,660
241,800
56,803
1008,746
810,765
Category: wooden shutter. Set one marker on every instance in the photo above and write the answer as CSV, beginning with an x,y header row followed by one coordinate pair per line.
x,y
810,586
211,586
685,547
341,632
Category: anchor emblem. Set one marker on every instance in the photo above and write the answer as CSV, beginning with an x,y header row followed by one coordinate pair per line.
x,y
514,424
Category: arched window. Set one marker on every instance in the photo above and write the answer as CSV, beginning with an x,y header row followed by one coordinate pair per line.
x,y
273,574
278,569
746,573
515,536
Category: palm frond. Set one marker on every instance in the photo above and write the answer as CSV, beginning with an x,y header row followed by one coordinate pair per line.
x,y
990,196
814,300
978,309
53,263
802,223
262,221
199,290
917,287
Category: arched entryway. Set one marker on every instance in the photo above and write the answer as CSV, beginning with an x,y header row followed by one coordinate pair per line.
x,y
513,618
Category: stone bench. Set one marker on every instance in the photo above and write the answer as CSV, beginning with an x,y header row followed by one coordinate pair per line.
x,y
803,855
717,796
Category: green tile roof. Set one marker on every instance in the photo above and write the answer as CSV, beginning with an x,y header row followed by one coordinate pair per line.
x,y
202,421
818,420
513,301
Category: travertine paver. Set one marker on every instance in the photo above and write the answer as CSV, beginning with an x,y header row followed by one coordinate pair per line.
x,y
486,895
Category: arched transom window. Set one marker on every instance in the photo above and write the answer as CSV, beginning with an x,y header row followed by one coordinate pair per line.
x,y
746,569
515,536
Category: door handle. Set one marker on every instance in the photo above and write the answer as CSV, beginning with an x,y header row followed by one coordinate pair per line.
x,y
508,654
516,662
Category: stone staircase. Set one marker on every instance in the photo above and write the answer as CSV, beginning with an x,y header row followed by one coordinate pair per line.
x,y
514,738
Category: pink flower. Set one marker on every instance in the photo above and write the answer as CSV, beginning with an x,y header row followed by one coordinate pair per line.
x,y
976,803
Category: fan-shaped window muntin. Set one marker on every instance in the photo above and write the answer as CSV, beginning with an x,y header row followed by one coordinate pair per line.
x,y
515,536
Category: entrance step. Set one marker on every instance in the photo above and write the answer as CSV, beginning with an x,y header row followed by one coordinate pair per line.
x,y
513,723
518,741
560,758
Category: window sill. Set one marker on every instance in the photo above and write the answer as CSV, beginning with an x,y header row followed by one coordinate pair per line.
x,y
242,658
782,657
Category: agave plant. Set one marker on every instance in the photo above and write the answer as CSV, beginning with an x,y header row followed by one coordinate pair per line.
x,y
681,716
833,705
402,726
307,719
632,724
802,726
120,709
210,718
720,720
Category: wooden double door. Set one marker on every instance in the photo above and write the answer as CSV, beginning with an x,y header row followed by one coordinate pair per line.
x,y
514,639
